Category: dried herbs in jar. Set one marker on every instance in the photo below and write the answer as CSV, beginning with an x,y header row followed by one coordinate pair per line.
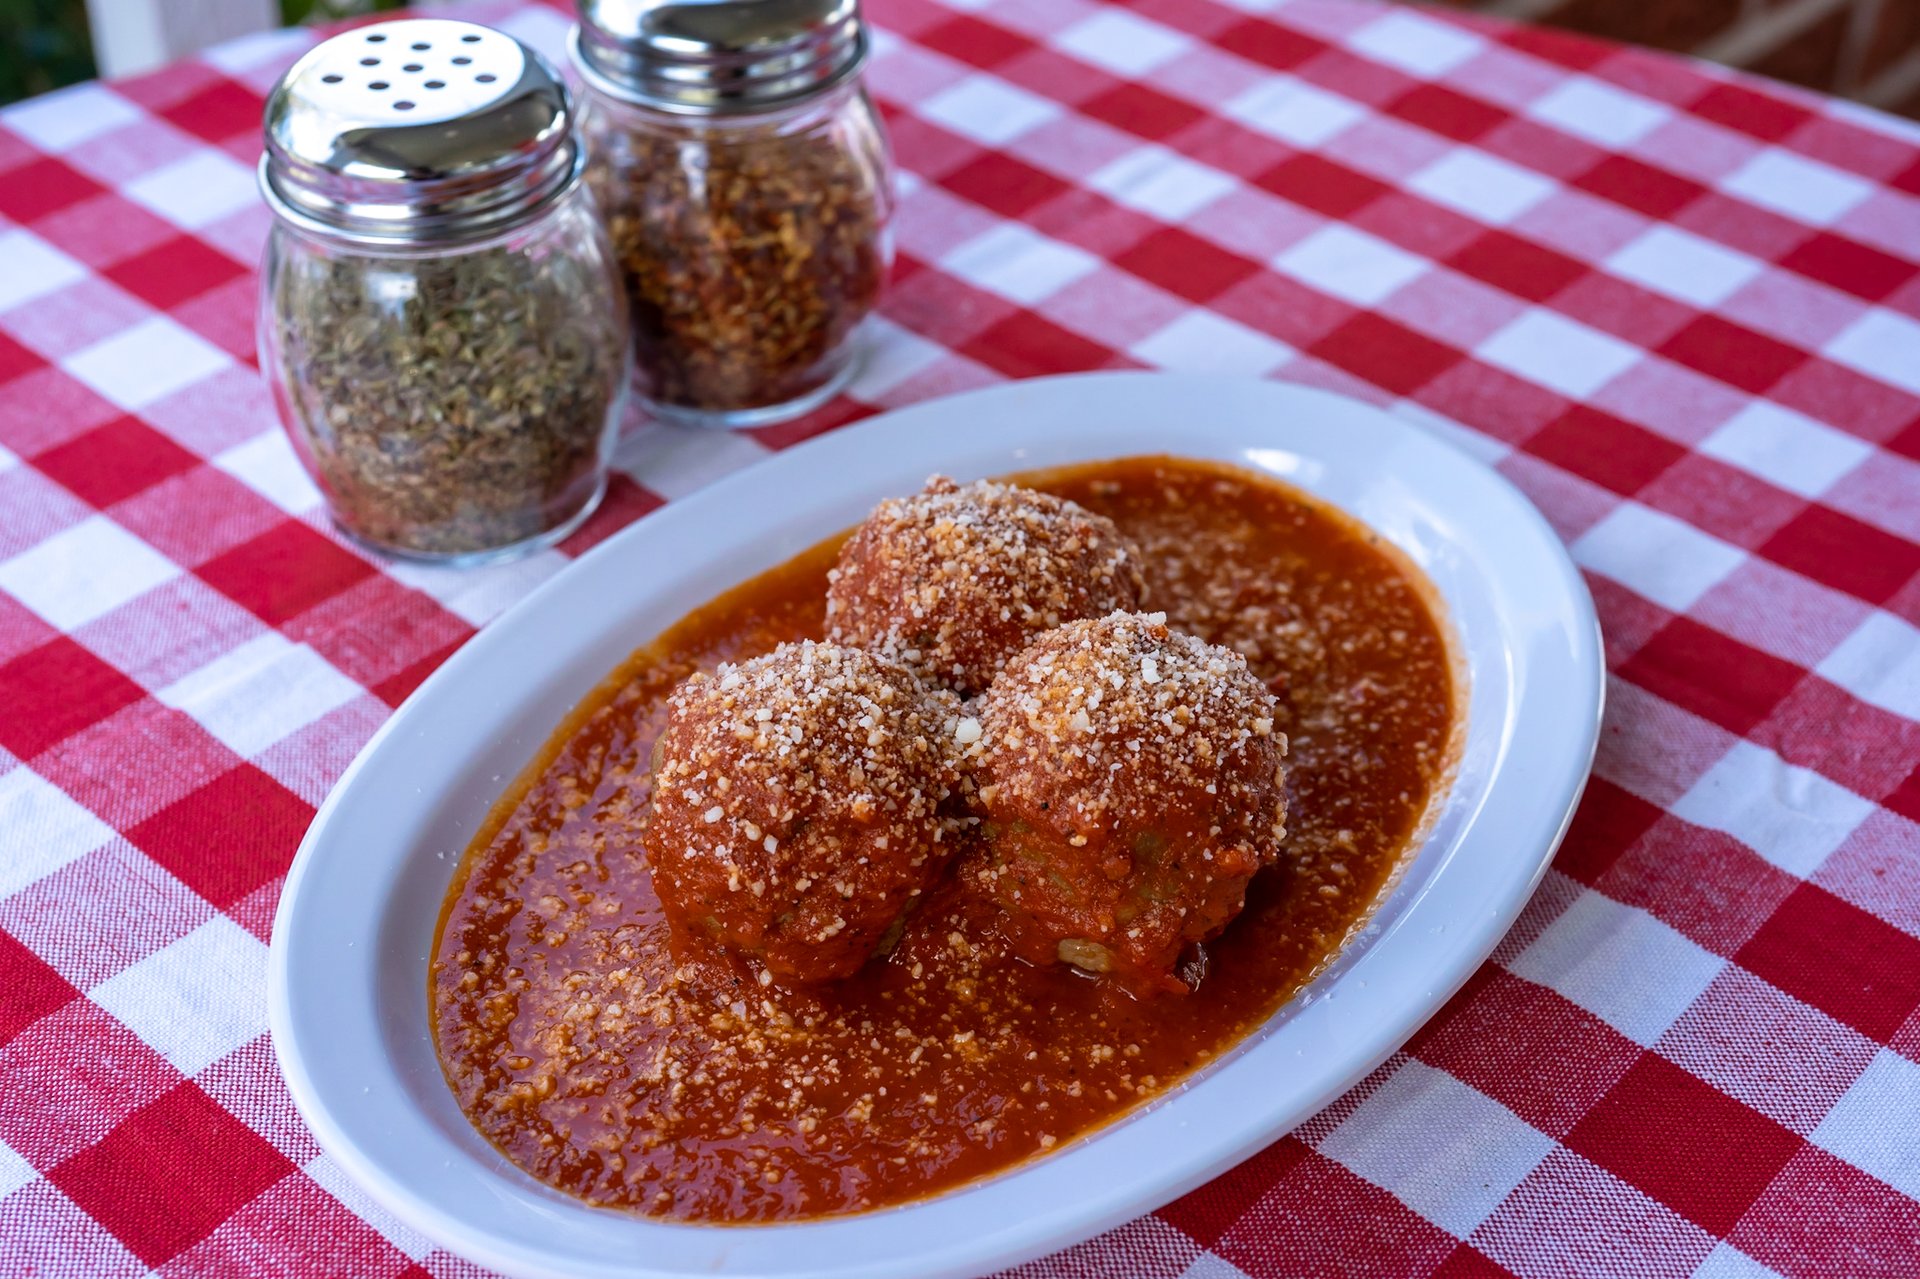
x,y
441,319
449,405
747,200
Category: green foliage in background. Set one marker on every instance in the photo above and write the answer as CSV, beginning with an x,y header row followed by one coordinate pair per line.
x,y
45,44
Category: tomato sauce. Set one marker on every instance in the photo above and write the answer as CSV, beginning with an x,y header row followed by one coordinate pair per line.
x,y
613,1060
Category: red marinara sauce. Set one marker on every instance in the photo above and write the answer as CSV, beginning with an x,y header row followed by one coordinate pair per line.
x,y
616,1062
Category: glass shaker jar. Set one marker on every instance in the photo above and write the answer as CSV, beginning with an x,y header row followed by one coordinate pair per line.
x,y
747,185
441,319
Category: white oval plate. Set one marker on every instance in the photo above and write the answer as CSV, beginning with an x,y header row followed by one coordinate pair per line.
x,y
348,986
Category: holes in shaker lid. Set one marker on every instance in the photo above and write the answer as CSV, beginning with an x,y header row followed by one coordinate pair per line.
x,y
331,79
369,62
421,45
486,77
413,66
462,61
376,38
469,39
403,105
376,84
436,84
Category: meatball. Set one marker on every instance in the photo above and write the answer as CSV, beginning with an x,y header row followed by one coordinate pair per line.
x,y
956,579
797,806
1131,782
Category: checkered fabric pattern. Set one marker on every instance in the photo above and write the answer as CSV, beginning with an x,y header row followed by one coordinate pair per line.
x,y
1679,308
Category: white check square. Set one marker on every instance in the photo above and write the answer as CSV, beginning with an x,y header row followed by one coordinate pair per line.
x,y
478,595
197,1000
146,362
1417,45
1620,964
63,119
1565,355
1728,1262
1019,263
1787,449
268,465
84,572
198,190
1879,664
1481,186
1294,111
988,110
1350,264
265,690
1881,344
45,829
1598,112
1659,557
1796,186
1122,43
1202,342
893,355
15,1171
1155,180
244,53
1681,265
1791,816
1871,1125
31,268
1447,1151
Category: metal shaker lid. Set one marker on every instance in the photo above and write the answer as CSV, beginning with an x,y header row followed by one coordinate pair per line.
x,y
715,57
418,131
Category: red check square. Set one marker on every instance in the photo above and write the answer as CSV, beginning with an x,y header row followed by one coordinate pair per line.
x,y
49,693
1522,267
1850,266
171,1173
115,461
33,988
1317,183
1642,187
1385,353
218,112
1447,112
1761,114
1269,44
972,41
1733,353
1712,674
175,271
1608,450
1847,554
1847,963
1684,1142
1208,1213
1142,110
1607,823
284,572
230,836
1010,187
1185,265
44,186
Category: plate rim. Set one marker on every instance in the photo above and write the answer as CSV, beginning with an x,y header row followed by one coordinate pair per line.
x,y
1099,1211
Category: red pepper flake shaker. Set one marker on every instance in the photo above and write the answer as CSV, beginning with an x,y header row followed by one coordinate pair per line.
x,y
747,184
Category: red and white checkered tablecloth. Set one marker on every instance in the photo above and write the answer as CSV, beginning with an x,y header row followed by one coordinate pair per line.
x,y
1679,308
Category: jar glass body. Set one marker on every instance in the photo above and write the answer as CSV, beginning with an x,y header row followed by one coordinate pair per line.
x,y
453,402
752,247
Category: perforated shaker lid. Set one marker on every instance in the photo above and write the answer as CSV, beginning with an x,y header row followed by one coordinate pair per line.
x,y
418,131
713,57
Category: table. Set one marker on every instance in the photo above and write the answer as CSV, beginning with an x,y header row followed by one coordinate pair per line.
x,y
1681,309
